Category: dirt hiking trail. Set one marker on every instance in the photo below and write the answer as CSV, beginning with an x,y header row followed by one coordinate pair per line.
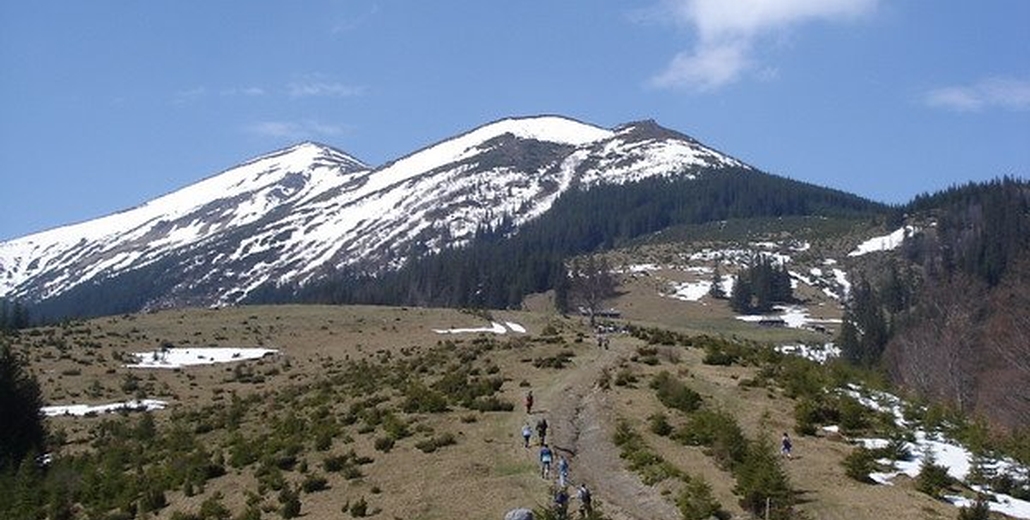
x,y
582,422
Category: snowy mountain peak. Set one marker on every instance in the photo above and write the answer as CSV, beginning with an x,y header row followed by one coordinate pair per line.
x,y
554,129
294,214
310,152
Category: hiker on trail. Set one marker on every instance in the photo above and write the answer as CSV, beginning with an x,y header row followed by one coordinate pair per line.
x,y
563,471
527,432
561,504
785,445
529,402
541,430
545,461
586,502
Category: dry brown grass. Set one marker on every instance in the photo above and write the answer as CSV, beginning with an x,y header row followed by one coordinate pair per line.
x,y
488,471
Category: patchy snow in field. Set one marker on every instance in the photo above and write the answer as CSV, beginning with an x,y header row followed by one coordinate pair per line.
x,y
884,243
637,268
694,291
818,353
947,453
793,316
84,409
494,327
1004,504
182,357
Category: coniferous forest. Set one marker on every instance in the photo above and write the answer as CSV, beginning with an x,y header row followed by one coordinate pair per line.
x,y
947,319
498,270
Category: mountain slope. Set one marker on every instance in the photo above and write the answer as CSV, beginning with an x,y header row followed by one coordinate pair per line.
x,y
292,216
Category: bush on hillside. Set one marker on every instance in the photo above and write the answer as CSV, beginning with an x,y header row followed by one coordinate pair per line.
x,y
859,464
659,424
933,478
762,483
719,432
978,510
674,394
696,501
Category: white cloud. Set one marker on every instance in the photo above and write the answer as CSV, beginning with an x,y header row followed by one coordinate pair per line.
x,y
186,96
243,91
726,32
1003,93
311,88
706,68
296,130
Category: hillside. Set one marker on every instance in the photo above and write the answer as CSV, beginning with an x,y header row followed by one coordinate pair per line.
x,y
415,413
945,315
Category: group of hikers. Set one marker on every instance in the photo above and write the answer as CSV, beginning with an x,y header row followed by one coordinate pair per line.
x,y
547,456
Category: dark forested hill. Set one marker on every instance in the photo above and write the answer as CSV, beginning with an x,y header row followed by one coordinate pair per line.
x,y
950,317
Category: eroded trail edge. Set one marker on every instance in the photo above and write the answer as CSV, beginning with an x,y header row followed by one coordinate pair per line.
x,y
583,419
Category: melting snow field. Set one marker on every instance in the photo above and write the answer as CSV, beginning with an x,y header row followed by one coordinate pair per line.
x,y
949,454
884,243
817,353
85,409
957,459
793,316
182,357
694,291
494,327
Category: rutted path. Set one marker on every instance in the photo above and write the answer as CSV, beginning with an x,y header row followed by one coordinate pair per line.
x,y
582,423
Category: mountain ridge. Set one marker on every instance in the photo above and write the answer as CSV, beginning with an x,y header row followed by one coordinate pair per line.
x,y
295,214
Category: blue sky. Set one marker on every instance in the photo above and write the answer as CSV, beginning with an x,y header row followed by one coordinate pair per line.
x,y
107,104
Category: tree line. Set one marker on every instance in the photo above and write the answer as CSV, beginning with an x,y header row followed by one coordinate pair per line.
x,y
981,230
758,286
14,315
945,317
500,267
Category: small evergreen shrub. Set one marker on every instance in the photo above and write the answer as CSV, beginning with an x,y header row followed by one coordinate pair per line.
x,y
859,464
933,478
626,377
384,444
435,443
978,510
659,424
674,394
314,483
696,501
718,357
290,500
359,509
719,432
761,481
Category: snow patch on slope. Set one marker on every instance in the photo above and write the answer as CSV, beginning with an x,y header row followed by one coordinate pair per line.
x,y
884,243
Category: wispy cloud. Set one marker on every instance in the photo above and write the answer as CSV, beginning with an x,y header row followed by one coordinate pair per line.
x,y
726,32
1001,93
296,130
198,93
189,95
317,87
243,91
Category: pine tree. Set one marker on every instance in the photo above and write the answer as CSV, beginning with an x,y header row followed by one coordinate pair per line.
x,y
740,295
20,402
762,483
716,291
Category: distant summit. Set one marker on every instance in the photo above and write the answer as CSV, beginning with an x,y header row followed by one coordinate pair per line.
x,y
295,215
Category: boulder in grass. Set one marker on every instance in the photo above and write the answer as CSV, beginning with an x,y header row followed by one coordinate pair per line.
x,y
519,514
